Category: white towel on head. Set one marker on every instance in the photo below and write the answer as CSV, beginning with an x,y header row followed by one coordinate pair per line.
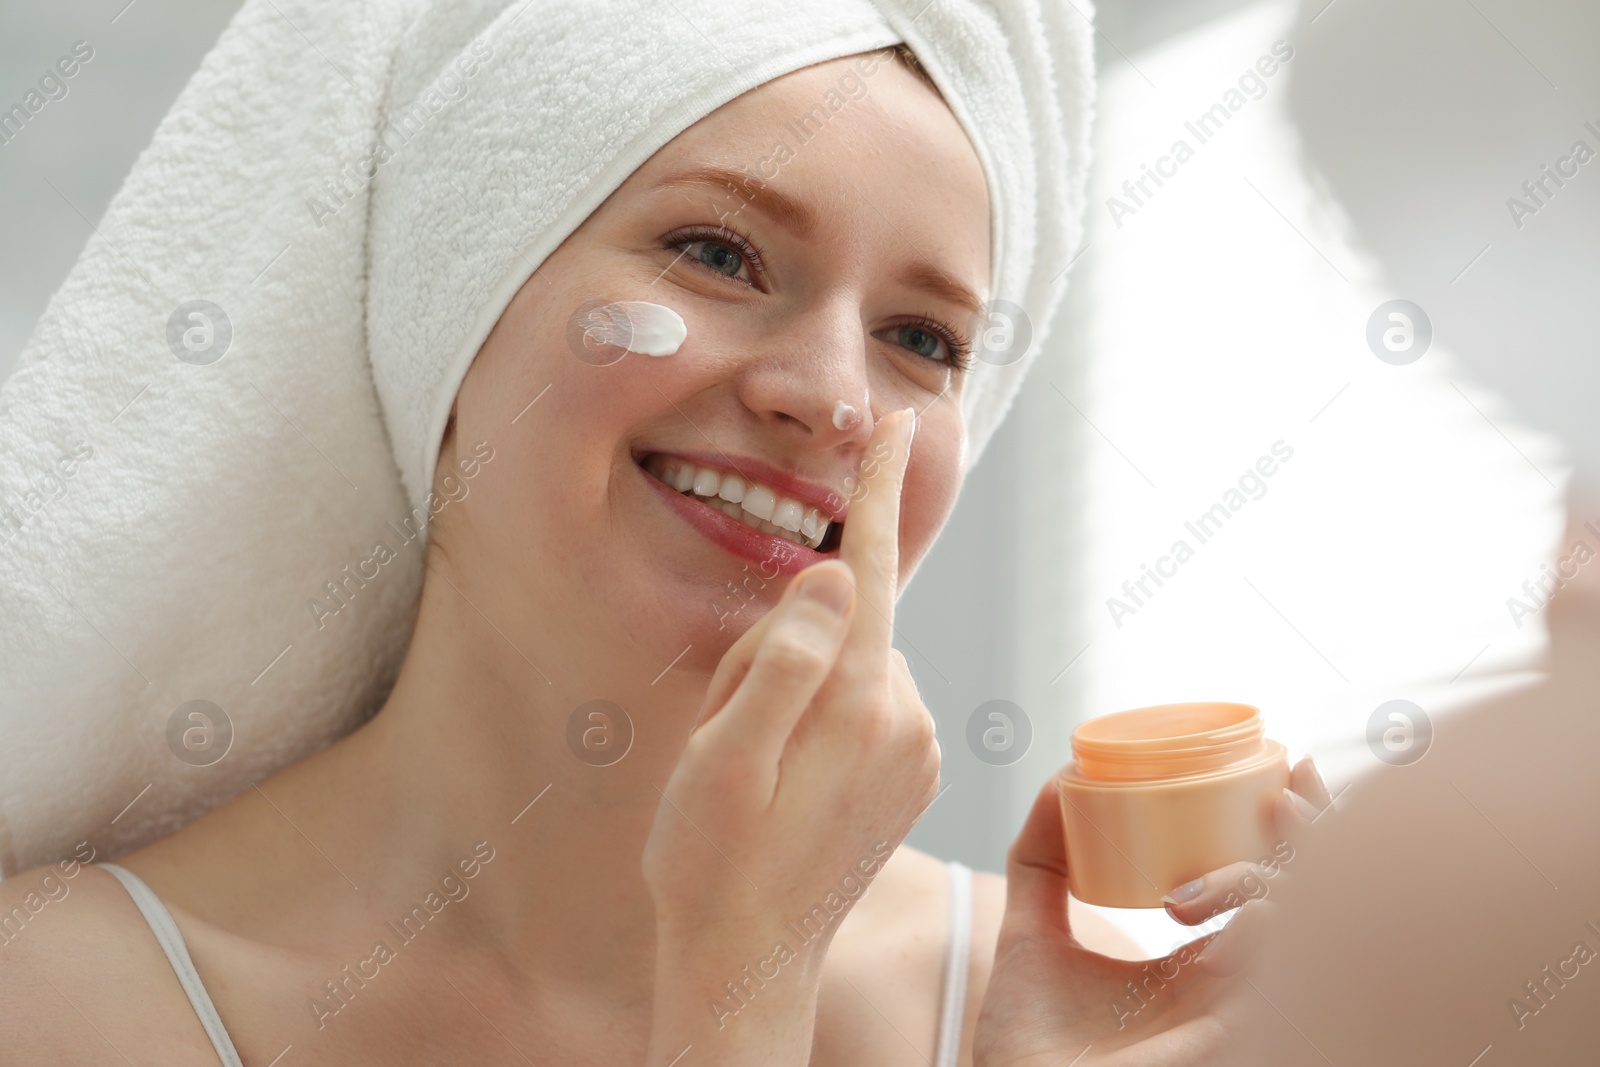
x,y
355,192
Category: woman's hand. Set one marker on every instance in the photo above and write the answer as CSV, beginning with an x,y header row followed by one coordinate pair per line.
x,y
1052,1002
813,757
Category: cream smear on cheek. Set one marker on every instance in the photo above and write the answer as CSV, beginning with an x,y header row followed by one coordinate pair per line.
x,y
638,326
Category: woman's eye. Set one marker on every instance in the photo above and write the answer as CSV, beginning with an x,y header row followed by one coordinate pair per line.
x,y
719,257
935,344
922,341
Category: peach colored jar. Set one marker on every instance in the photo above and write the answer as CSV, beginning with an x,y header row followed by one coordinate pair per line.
x,y
1158,796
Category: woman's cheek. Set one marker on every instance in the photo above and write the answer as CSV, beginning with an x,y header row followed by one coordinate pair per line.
x,y
933,480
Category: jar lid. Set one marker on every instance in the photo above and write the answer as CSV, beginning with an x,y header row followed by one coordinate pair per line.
x,y
1168,741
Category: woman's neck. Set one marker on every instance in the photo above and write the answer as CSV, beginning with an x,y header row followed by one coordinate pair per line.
x,y
472,746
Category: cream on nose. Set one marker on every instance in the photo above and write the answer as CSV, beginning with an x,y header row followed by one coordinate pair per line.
x,y
638,326
845,416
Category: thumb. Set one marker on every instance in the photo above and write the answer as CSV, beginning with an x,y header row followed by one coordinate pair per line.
x,y
1036,867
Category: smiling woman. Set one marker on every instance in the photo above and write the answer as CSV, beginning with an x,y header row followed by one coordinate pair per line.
x,y
795,293
667,793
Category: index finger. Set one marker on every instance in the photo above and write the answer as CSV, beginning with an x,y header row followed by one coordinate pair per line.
x,y
870,543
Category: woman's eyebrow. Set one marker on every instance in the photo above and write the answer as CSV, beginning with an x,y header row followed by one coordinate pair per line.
x,y
930,279
782,208
800,220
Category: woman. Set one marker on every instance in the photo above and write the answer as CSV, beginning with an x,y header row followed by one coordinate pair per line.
x,y
454,881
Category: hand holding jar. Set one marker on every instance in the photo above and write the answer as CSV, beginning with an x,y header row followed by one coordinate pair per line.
x,y
1187,806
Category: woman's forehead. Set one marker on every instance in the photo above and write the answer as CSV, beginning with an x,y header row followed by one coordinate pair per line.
x,y
863,145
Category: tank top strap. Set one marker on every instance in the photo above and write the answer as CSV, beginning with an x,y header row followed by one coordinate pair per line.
x,y
171,940
957,953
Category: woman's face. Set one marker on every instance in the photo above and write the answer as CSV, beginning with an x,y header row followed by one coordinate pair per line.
x,y
825,239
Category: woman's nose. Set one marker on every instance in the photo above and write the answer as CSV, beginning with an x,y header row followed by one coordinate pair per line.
x,y
811,380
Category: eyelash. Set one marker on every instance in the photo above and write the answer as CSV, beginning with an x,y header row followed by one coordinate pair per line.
x,y
960,347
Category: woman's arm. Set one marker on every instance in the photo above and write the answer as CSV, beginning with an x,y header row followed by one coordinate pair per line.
x,y
714,1007
813,758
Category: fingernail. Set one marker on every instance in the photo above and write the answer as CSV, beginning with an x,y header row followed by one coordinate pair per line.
x,y
911,425
827,587
1306,809
1185,892
1317,775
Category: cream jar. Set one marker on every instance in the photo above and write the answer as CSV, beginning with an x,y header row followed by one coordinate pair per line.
x,y
1159,796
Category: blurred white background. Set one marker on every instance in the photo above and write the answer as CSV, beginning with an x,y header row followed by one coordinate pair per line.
x,y
1224,313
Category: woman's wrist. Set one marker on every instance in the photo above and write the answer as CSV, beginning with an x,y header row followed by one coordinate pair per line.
x,y
735,1000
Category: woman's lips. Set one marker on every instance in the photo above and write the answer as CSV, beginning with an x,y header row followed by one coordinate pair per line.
x,y
764,550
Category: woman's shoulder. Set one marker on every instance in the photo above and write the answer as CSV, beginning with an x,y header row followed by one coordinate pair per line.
x,y
884,980
72,946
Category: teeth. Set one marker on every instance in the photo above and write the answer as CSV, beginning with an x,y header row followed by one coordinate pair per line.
x,y
787,515
759,501
753,504
810,526
707,483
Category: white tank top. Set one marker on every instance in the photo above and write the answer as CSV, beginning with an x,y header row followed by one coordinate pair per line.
x,y
951,1004
957,952
160,919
